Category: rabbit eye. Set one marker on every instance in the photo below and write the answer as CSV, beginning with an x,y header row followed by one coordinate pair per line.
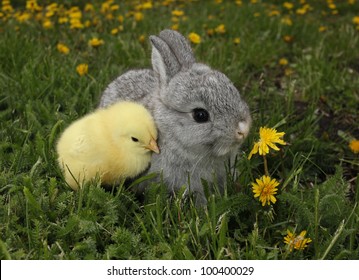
x,y
200,115
134,139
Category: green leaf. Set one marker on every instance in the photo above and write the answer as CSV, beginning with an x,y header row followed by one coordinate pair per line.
x,y
31,200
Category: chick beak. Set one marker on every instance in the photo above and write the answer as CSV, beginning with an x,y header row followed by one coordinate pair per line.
x,y
153,146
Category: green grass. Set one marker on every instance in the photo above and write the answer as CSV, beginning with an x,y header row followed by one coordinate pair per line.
x,y
316,106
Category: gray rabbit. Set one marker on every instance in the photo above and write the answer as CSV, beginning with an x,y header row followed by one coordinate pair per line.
x,y
200,115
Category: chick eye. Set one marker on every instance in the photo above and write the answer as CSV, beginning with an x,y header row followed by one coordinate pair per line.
x,y
200,115
134,139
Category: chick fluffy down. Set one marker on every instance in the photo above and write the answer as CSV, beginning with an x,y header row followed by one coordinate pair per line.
x,y
112,143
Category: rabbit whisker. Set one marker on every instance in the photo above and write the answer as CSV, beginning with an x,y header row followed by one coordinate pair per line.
x,y
202,158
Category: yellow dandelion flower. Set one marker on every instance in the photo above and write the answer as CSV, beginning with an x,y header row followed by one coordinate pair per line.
x,y
109,16
76,24
62,20
89,8
23,17
287,21
120,18
220,29
332,6
265,188
114,31
6,7
288,5
354,146
322,28
307,7
177,13
147,5
283,61
355,20
105,7
269,137
49,14
239,2
75,14
175,26
82,69
194,38
237,41
298,242
301,11
138,16
288,38
96,42
257,14
114,7
47,24
33,6
142,39
52,7
274,13
62,48
138,7
87,23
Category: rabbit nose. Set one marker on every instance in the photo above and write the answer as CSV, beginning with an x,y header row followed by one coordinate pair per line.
x,y
242,130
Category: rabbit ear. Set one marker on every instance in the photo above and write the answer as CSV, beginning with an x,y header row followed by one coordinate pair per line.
x,y
180,47
164,62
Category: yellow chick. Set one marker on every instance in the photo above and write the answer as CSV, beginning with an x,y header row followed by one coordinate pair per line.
x,y
113,143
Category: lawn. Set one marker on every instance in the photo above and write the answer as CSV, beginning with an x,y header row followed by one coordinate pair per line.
x,y
297,65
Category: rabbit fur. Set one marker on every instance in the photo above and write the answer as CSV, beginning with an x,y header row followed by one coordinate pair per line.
x,y
200,115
